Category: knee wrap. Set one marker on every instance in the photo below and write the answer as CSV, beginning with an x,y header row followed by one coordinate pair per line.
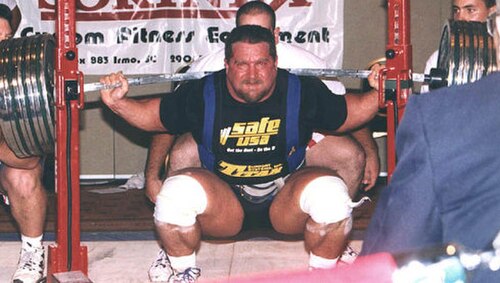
x,y
180,200
326,200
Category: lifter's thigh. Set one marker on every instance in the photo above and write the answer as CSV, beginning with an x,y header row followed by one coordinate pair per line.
x,y
342,154
184,154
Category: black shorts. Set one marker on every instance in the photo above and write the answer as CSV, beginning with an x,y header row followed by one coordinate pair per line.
x,y
256,215
256,208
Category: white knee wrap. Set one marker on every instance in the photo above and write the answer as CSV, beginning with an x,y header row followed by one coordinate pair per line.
x,y
326,200
180,200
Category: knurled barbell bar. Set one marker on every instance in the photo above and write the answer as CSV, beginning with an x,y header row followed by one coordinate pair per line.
x,y
27,80
322,73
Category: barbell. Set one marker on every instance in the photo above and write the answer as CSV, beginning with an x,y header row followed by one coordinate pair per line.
x,y
466,52
27,80
26,94
322,73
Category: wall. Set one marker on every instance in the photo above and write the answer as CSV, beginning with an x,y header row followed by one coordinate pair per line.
x,y
365,35
108,153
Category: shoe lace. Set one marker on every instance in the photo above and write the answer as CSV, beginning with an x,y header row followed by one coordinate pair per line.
x,y
188,275
161,261
350,251
349,255
31,260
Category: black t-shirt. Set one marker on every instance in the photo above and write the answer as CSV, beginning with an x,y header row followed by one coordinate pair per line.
x,y
249,140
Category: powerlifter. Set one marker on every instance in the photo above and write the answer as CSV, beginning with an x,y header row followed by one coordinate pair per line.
x,y
251,122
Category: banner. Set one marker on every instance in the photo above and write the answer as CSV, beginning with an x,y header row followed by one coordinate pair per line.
x,y
160,36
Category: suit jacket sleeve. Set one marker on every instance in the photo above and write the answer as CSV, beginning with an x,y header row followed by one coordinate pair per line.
x,y
406,216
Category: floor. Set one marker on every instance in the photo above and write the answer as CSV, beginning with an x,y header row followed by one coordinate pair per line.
x,y
128,261
117,229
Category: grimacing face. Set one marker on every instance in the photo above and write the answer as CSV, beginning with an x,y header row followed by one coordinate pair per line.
x,y
251,72
471,10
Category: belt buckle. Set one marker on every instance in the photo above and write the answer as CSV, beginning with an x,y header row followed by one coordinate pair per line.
x,y
250,198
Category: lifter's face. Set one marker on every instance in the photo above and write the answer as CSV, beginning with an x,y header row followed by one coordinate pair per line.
x,y
471,10
251,72
5,30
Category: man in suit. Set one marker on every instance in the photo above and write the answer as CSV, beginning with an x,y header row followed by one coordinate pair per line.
x,y
446,186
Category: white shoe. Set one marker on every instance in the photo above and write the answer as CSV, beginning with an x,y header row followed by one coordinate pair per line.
x,y
348,256
189,275
135,182
160,270
30,267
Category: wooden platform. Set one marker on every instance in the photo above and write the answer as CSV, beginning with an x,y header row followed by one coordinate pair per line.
x,y
131,211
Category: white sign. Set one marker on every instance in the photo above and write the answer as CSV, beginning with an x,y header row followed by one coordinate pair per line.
x,y
160,36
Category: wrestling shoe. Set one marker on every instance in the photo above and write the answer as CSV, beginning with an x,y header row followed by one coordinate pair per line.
x,y
348,256
160,270
189,275
30,266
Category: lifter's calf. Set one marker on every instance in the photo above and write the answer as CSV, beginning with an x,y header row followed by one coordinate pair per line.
x,y
27,197
191,203
327,240
326,200
179,240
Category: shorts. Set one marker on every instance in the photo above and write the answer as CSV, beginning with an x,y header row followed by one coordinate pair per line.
x,y
255,201
256,215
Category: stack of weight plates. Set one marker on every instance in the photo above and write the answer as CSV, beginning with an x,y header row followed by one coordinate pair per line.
x,y
466,52
27,94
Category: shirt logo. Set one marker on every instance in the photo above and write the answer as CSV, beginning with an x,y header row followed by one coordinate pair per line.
x,y
251,133
248,171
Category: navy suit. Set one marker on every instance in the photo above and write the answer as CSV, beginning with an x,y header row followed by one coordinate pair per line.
x,y
446,186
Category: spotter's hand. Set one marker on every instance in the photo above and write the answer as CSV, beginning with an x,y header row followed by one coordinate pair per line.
x,y
110,96
373,77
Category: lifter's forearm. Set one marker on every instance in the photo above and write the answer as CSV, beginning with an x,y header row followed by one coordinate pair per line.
x,y
365,138
362,108
157,154
158,150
